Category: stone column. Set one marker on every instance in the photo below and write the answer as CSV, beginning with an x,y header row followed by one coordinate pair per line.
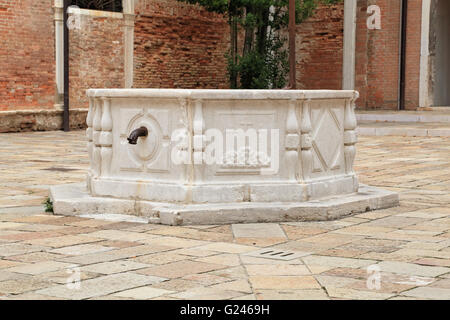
x,y
97,146
198,140
292,141
306,140
424,100
129,17
350,135
348,68
106,137
198,137
90,138
59,52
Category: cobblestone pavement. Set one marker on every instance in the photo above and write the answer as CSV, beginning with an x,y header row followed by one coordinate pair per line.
x,y
407,248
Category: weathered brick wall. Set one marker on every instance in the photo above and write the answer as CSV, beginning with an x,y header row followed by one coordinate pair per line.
x,y
96,57
320,48
361,54
378,56
179,46
27,69
182,46
413,48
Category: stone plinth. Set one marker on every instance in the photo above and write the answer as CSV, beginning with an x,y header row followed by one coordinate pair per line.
x,y
222,156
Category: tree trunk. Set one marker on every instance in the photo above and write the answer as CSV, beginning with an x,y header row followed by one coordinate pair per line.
x,y
233,50
262,31
249,35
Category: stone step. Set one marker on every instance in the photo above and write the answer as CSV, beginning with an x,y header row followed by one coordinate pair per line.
x,y
442,115
409,129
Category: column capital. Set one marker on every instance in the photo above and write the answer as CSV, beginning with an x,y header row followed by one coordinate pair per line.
x,y
128,6
129,19
59,4
349,58
59,10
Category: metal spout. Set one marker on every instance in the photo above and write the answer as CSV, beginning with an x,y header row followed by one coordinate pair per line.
x,y
134,136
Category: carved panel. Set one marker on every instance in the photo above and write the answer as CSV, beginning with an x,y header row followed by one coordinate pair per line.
x,y
152,153
327,121
247,160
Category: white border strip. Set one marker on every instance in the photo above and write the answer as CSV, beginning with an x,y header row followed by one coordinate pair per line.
x,y
96,13
424,98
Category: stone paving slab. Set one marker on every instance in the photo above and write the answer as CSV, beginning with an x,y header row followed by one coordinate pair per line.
x,y
408,129
277,270
100,286
429,293
226,259
409,244
441,116
206,294
308,294
267,230
114,267
143,293
39,267
14,249
412,269
114,255
284,282
180,269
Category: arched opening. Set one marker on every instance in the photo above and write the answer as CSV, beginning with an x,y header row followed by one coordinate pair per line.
x,y
103,5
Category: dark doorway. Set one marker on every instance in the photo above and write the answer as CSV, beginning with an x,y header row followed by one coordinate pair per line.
x,y
103,5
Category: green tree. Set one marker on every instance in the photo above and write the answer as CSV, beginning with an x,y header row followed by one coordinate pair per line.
x,y
262,62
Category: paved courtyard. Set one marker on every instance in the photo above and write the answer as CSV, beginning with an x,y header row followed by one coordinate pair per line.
x,y
399,253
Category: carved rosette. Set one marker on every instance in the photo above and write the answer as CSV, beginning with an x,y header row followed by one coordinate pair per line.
x,y
350,135
292,140
106,137
306,140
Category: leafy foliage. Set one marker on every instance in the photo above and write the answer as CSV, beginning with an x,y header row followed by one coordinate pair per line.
x,y
48,205
262,62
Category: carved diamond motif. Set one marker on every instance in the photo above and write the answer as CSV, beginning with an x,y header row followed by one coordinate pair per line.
x,y
327,139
